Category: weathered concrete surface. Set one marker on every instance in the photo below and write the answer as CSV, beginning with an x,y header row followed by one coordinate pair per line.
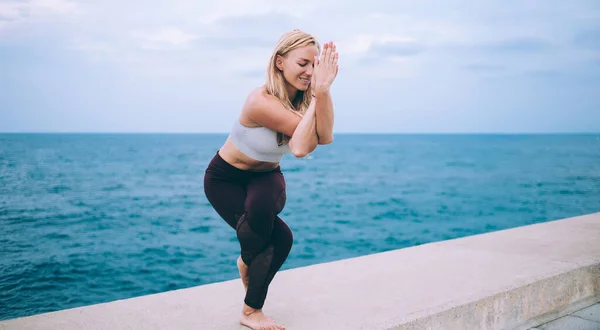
x,y
584,319
511,279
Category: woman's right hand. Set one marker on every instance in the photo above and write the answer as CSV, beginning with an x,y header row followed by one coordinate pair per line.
x,y
326,68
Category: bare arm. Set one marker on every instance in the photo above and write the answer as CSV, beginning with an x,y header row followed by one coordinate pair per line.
x,y
268,112
305,139
324,116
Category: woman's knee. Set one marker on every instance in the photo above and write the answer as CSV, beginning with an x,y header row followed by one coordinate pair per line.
x,y
282,235
287,240
262,209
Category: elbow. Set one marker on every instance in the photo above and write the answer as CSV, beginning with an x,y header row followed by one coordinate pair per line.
x,y
301,150
299,153
326,140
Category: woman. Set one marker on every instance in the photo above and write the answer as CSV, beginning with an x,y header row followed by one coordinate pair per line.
x,y
292,112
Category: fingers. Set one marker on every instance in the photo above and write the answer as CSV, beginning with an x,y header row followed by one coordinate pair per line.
x,y
335,58
333,54
323,51
326,54
329,54
315,65
327,64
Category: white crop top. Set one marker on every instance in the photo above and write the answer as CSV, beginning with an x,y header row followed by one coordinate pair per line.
x,y
259,143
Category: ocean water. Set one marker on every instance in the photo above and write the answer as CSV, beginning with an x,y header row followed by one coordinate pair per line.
x,y
90,218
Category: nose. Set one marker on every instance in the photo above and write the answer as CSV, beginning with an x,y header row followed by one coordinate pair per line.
x,y
309,70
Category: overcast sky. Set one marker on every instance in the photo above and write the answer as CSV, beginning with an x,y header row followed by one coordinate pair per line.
x,y
405,66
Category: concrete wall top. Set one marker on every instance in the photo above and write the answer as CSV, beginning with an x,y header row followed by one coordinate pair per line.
x,y
500,280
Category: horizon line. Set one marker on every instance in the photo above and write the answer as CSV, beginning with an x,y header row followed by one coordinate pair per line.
x,y
335,133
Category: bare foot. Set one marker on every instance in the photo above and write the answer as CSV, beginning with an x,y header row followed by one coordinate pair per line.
x,y
256,320
243,272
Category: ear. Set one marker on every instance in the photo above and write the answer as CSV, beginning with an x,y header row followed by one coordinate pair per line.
x,y
279,62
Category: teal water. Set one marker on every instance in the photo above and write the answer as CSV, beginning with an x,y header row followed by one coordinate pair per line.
x,y
90,218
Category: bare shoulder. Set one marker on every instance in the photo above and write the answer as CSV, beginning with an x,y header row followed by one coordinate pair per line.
x,y
259,98
263,109
251,104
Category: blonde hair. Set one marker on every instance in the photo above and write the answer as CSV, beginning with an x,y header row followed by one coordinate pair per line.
x,y
275,84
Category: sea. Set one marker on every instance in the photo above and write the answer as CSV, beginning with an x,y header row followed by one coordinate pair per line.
x,y
87,218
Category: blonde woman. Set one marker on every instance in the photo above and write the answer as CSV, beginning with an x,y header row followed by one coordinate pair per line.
x,y
291,113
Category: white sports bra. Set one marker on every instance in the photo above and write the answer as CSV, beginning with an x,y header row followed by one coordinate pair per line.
x,y
259,143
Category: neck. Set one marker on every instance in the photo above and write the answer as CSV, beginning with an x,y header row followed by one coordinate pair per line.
x,y
292,92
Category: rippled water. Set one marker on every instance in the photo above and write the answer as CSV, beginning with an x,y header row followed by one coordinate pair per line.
x,y
89,218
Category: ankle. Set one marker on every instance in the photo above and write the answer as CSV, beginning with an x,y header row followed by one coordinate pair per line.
x,y
247,310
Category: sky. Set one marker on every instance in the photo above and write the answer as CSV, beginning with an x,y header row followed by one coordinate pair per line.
x,y
429,66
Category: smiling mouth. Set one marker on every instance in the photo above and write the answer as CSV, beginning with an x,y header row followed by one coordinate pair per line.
x,y
305,80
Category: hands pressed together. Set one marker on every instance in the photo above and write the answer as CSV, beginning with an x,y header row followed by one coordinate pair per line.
x,y
326,68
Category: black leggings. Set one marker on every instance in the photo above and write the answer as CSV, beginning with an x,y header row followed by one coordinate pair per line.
x,y
250,201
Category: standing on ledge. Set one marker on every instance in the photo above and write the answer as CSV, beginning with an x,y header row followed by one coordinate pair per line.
x,y
292,112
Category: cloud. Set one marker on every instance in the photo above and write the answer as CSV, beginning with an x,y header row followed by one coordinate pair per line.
x,y
268,23
14,13
238,10
234,44
239,33
10,11
446,60
93,48
213,42
166,37
503,46
544,73
396,48
587,39
385,56
474,67
258,73
519,45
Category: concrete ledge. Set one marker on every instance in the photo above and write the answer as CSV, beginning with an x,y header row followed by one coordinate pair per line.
x,y
510,279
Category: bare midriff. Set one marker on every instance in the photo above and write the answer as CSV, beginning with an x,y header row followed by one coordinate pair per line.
x,y
236,158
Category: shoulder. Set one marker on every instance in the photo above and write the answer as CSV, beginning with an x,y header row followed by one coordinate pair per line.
x,y
259,103
263,109
258,98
